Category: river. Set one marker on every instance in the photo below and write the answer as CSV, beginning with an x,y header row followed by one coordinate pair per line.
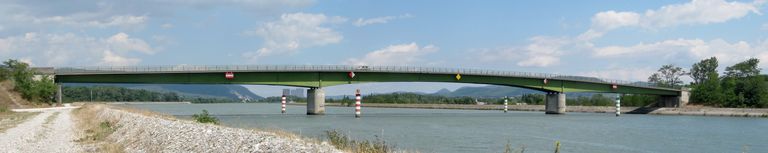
x,y
442,130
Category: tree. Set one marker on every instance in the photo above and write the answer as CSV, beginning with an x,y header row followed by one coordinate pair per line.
x,y
667,76
702,70
706,86
743,86
744,69
708,92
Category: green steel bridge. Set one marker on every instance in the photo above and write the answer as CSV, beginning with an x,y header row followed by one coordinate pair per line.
x,y
316,77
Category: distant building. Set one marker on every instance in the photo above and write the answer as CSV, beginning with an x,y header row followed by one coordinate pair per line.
x,y
298,92
286,92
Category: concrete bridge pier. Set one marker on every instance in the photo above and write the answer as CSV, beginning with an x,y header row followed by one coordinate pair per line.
x,y
59,94
315,101
555,103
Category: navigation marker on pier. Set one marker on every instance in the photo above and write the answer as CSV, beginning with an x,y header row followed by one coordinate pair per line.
x,y
618,104
357,103
282,101
505,104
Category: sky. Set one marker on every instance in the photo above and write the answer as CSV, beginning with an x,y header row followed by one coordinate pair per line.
x,y
625,40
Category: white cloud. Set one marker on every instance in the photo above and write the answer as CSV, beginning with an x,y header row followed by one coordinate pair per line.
x,y
379,20
609,20
293,32
120,21
628,74
699,12
114,59
693,13
166,26
18,20
764,27
691,49
24,15
123,42
542,51
72,49
401,54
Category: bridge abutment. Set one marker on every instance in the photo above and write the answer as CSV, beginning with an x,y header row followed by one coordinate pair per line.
x,y
674,101
555,103
315,101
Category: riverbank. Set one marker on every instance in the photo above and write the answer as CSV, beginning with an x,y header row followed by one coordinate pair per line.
x,y
142,131
688,110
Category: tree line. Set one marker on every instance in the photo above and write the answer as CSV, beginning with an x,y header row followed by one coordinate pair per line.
x,y
741,85
531,99
122,94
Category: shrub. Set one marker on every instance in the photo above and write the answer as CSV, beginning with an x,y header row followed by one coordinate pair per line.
x,y
4,108
341,141
205,118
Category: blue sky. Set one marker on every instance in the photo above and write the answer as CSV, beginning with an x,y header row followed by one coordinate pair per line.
x,y
625,40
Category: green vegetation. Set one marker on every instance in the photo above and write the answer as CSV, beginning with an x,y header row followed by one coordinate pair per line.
x,y
343,142
112,93
412,98
96,131
668,76
531,99
36,89
346,101
4,108
742,86
205,118
99,133
279,98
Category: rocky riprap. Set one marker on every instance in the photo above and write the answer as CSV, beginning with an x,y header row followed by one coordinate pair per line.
x,y
150,133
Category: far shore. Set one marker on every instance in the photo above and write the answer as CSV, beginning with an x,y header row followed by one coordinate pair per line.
x,y
688,110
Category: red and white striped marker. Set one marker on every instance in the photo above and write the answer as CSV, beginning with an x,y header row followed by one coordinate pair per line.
x,y
283,104
357,103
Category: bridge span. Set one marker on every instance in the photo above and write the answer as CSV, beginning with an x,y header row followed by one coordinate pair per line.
x,y
315,77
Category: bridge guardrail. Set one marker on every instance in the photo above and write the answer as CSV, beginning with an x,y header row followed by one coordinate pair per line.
x,y
336,68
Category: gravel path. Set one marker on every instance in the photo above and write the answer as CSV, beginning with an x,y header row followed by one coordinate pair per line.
x,y
50,131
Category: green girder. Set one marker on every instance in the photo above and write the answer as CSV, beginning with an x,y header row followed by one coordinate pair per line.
x,y
325,79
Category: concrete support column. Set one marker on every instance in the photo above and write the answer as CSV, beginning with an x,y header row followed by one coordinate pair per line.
x,y
315,101
59,93
555,103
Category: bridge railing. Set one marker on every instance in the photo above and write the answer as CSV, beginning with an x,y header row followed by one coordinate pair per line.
x,y
334,68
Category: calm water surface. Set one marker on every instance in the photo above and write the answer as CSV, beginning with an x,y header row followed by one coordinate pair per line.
x,y
440,130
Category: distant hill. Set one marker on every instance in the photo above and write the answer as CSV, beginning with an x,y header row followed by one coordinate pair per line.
x,y
490,91
195,90
494,91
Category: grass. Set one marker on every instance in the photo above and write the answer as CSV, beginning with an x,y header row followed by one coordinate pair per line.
x,y
205,118
4,108
508,148
96,131
343,142
10,119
